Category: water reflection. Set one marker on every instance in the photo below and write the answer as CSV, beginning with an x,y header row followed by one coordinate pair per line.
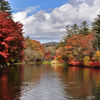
x,y
81,83
46,82
10,81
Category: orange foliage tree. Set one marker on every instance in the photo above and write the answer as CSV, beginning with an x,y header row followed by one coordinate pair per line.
x,y
77,47
60,54
35,50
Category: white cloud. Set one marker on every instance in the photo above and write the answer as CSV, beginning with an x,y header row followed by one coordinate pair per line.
x,y
31,9
20,16
50,26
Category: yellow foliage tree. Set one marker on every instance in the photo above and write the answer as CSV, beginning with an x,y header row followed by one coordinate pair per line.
x,y
86,60
98,55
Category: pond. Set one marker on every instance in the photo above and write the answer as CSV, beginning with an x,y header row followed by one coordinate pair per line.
x,y
46,82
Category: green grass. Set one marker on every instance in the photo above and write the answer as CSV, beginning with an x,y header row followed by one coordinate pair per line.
x,y
62,64
46,62
39,62
59,64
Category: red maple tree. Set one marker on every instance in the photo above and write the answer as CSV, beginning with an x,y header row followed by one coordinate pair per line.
x,y
11,39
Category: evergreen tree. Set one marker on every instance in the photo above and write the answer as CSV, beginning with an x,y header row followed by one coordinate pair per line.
x,y
75,28
96,24
68,33
96,27
5,6
84,28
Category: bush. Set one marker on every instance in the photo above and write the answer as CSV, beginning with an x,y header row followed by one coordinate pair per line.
x,y
94,64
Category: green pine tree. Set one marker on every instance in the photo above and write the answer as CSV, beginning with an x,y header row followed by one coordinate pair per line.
x,y
96,24
96,27
75,28
5,6
84,28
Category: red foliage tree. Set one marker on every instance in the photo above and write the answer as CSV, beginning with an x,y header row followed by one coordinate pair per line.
x,y
11,38
47,55
94,64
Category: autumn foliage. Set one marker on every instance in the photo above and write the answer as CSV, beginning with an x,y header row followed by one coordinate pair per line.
x,y
11,39
79,50
77,47
34,50
94,64
47,55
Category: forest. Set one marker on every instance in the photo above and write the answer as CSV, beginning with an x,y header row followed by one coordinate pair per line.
x,y
80,44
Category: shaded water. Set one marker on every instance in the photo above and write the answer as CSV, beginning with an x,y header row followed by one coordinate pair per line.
x,y
45,82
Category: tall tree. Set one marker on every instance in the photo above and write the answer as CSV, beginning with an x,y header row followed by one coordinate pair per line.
x,y
11,38
84,28
68,33
96,27
96,24
75,28
5,6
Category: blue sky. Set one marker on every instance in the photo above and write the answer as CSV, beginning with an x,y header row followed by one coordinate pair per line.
x,y
45,4
20,5
45,20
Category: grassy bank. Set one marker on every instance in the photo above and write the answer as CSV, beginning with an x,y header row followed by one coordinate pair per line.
x,y
62,64
55,63
46,62
42,62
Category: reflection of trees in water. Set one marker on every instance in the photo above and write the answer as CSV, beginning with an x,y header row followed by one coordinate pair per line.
x,y
32,74
95,83
16,78
10,81
73,82
4,93
79,83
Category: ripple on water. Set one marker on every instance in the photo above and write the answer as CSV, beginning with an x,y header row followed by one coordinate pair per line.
x,y
49,83
49,88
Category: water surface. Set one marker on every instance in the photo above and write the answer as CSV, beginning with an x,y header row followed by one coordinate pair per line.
x,y
46,82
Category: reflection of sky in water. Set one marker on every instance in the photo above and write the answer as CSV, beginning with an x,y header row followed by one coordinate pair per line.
x,y
45,82
59,83
49,88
